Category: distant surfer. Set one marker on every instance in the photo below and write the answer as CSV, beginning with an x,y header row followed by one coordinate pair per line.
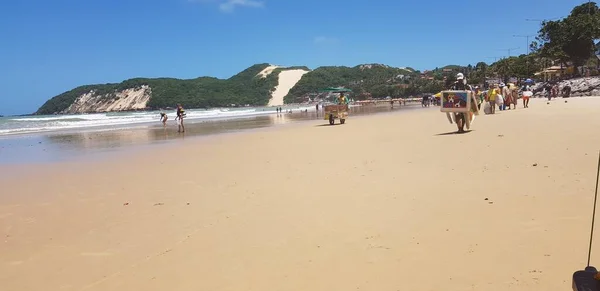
x,y
179,118
164,118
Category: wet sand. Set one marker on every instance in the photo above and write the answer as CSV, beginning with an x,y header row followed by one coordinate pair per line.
x,y
95,143
384,202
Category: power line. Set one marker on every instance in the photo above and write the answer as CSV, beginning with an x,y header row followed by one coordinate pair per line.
x,y
528,47
540,20
509,50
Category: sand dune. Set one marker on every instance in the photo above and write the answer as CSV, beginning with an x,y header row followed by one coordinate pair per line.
x,y
386,202
267,71
128,99
287,80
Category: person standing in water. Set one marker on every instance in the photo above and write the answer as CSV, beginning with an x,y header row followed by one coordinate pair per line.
x,y
179,118
163,118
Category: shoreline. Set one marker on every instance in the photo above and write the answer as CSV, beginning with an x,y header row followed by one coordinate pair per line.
x,y
73,143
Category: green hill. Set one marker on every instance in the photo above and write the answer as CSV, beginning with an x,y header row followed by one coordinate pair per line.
x,y
243,88
376,79
246,87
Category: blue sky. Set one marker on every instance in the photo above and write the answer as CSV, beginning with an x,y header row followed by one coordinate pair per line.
x,y
48,47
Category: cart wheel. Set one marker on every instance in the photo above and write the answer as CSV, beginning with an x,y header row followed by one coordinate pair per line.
x,y
342,121
331,119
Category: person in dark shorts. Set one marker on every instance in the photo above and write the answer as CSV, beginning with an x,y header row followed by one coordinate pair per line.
x,y
460,84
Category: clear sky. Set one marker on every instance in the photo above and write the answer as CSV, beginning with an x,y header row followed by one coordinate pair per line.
x,y
49,47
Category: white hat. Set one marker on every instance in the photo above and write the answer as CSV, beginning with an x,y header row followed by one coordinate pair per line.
x,y
502,85
460,76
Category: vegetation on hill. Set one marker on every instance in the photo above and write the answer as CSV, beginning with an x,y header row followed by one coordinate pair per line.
x,y
370,80
564,42
243,88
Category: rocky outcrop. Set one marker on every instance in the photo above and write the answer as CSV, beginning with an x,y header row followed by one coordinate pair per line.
x,y
587,86
125,100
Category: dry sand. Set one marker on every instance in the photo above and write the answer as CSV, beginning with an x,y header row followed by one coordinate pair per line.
x,y
286,80
381,203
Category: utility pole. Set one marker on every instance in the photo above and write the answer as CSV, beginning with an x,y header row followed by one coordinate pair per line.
x,y
484,77
495,58
528,47
528,51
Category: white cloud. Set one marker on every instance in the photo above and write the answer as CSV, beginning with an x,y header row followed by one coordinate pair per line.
x,y
230,5
325,40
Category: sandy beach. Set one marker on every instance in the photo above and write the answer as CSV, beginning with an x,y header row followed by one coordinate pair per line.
x,y
385,202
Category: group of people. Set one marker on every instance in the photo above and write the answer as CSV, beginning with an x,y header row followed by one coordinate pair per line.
x,y
506,97
498,94
178,118
552,90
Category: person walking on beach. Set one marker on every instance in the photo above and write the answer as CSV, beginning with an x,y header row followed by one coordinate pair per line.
x,y
515,95
491,98
507,96
460,117
477,95
179,118
163,118
526,91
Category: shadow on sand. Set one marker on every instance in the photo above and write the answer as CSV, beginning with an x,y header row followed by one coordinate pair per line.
x,y
453,133
327,124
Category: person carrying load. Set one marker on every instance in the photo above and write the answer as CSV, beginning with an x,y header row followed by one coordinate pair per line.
x,y
461,85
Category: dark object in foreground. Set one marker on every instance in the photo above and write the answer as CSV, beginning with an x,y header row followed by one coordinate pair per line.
x,y
584,280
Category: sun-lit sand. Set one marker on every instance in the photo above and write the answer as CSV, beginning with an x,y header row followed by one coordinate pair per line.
x,y
384,202
287,80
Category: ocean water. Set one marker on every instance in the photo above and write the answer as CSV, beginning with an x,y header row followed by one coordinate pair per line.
x,y
50,123
55,138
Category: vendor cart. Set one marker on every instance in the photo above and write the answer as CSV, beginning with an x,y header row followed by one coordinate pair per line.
x,y
336,111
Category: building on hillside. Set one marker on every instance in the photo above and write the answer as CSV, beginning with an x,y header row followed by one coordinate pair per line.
x,y
555,72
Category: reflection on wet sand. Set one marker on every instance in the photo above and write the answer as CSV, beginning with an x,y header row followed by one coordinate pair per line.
x,y
60,145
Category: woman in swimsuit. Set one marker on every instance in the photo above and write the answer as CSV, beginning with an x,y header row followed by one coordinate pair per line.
x,y
163,118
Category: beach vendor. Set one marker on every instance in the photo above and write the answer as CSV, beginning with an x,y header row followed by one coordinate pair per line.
x,y
461,84
179,118
342,99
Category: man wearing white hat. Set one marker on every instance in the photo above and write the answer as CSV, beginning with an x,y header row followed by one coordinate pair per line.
x,y
460,84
